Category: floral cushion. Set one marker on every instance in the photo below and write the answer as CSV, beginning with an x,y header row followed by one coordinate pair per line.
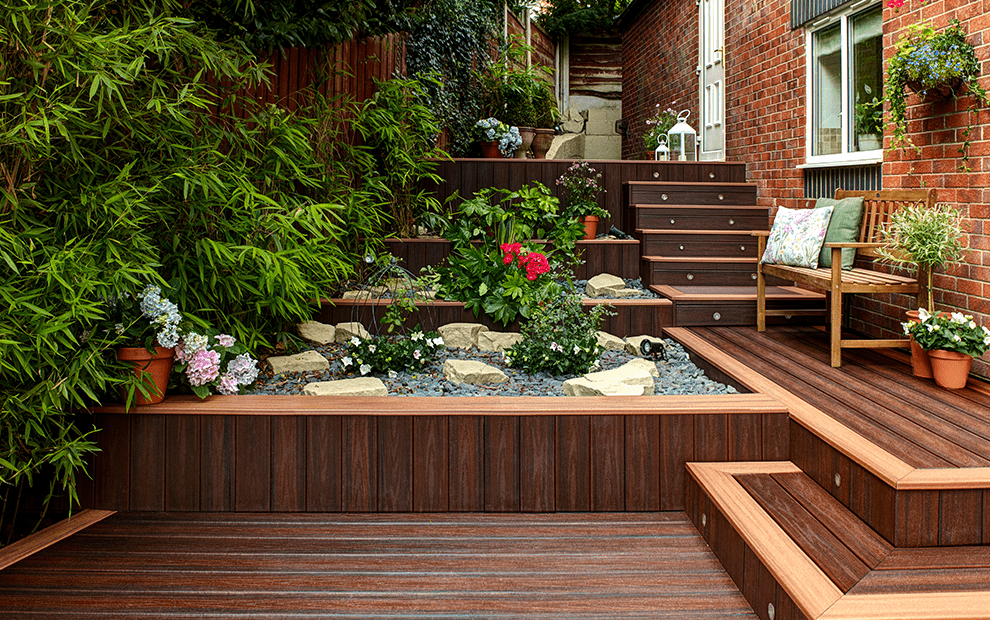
x,y
797,237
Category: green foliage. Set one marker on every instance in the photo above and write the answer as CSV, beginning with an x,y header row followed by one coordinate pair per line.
x,y
560,339
380,354
582,184
402,132
658,125
265,26
545,106
926,60
123,163
927,238
454,40
955,332
510,89
563,17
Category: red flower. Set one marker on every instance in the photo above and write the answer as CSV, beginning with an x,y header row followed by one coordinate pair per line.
x,y
507,259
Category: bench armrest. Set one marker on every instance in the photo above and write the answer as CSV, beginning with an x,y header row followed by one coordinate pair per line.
x,y
859,245
761,233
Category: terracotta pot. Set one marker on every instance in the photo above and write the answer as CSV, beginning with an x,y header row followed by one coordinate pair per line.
x,y
951,368
489,150
527,134
542,142
921,365
158,365
590,226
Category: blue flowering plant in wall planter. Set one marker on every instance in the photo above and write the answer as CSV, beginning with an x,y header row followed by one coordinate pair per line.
x,y
932,64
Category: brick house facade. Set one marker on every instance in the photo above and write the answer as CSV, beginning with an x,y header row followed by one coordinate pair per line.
x,y
766,111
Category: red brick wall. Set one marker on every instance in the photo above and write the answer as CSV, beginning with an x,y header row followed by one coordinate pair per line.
x,y
659,56
765,125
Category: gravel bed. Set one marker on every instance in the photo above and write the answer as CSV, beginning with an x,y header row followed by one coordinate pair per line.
x,y
678,376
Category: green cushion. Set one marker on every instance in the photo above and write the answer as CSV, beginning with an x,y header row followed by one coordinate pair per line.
x,y
847,214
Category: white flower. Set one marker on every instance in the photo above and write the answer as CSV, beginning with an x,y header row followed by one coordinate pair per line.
x,y
956,338
417,354
923,314
972,324
365,369
906,327
372,348
392,374
577,349
416,336
556,347
958,317
438,341
346,361
596,364
355,340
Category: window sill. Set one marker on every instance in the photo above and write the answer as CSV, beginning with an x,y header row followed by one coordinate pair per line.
x,y
848,159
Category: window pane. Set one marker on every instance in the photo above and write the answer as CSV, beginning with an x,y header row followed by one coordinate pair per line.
x,y
866,69
826,49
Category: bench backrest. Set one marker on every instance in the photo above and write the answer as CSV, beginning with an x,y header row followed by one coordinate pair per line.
x,y
878,207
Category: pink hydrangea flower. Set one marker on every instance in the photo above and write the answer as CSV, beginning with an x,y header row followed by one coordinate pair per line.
x,y
227,384
204,367
225,341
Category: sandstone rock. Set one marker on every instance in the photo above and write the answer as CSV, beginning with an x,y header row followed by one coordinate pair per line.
x,y
610,342
627,292
316,332
633,343
497,341
567,146
360,386
580,386
626,375
470,371
461,335
604,284
360,295
645,364
346,331
307,361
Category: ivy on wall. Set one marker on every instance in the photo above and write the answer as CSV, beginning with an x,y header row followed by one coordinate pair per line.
x,y
453,41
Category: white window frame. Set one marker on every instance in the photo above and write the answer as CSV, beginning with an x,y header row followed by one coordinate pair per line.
x,y
846,157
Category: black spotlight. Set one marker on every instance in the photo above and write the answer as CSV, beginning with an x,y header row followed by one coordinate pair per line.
x,y
654,350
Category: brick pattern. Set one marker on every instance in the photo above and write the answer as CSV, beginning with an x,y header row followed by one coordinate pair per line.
x,y
765,125
659,55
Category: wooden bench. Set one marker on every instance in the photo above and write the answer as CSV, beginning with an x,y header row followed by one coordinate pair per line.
x,y
877,209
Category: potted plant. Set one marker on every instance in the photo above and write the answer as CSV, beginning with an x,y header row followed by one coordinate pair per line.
x,y
497,139
582,184
547,117
931,64
657,126
952,341
926,238
869,124
149,327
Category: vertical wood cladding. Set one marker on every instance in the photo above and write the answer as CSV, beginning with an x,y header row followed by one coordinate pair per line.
x,y
421,463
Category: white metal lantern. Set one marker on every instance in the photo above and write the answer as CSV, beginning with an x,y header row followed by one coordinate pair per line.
x,y
662,153
682,139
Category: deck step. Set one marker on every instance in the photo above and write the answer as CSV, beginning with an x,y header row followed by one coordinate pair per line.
x,y
681,216
659,192
702,271
795,552
736,305
683,242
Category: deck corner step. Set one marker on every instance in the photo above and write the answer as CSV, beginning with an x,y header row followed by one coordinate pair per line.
x,y
769,523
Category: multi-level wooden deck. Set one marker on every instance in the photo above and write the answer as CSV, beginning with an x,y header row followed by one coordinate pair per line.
x,y
849,493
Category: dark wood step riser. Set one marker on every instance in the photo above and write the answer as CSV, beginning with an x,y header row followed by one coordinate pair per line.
x,y
741,563
659,218
703,274
936,518
694,195
734,246
719,312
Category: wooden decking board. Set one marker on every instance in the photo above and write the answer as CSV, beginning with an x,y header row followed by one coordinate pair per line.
x,y
377,566
889,403
820,544
868,546
893,387
813,388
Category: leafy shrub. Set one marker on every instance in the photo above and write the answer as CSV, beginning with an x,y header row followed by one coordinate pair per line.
x,y
380,354
560,339
563,17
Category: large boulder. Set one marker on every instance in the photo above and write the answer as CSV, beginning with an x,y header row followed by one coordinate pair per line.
x,y
497,341
470,371
307,361
360,386
351,329
317,333
627,374
604,284
580,386
461,335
